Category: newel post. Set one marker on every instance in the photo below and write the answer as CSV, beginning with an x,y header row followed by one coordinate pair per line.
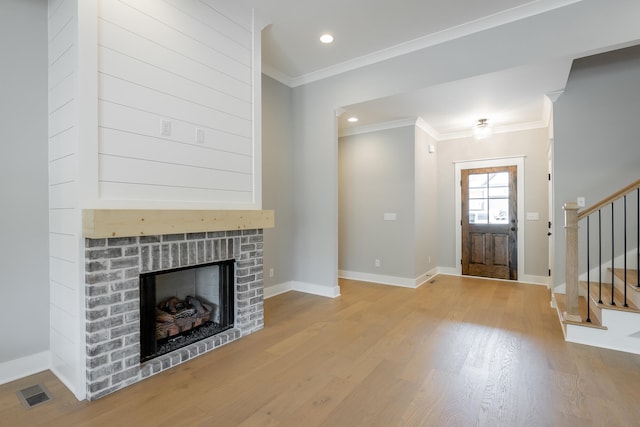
x,y
571,260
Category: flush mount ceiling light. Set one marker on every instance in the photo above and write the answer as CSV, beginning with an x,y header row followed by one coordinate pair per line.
x,y
352,119
482,130
326,38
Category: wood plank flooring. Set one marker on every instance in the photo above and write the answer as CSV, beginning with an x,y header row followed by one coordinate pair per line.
x,y
456,352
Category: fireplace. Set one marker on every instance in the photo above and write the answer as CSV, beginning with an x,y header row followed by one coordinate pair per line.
x,y
182,306
116,271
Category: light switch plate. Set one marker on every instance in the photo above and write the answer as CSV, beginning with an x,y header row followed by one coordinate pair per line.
x,y
582,202
533,216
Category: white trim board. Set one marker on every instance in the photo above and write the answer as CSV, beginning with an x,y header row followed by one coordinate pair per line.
x,y
308,288
403,282
517,161
24,366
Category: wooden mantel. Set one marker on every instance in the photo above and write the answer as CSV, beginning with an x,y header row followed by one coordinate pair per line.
x,y
103,223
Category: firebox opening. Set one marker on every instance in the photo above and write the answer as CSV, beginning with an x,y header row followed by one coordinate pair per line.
x,y
181,306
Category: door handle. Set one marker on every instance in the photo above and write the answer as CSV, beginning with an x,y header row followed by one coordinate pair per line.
x,y
513,229
549,233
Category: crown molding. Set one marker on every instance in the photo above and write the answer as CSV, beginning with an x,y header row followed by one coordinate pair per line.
x,y
423,125
486,23
377,127
426,127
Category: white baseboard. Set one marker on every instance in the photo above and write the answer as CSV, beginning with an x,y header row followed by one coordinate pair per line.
x,y
24,366
377,278
309,288
280,288
403,282
312,288
535,280
449,271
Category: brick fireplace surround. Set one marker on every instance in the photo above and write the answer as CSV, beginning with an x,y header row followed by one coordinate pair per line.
x,y
112,269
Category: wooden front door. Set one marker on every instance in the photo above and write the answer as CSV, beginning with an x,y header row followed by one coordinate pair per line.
x,y
490,222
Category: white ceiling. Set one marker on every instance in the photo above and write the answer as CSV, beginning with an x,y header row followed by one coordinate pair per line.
x,y
367,31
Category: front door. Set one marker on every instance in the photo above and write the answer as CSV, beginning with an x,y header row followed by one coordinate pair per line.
x,y
489,222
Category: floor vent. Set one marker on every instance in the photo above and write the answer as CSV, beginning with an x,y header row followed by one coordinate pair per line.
x,y
34,396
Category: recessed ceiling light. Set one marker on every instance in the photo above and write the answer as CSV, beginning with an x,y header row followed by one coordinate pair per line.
x,y
326,38
352,119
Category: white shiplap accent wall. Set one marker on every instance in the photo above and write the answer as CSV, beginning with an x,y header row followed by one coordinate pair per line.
x,y
64,215
117,69
190,63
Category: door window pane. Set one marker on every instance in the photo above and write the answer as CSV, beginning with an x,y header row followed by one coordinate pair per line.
x,y
489,198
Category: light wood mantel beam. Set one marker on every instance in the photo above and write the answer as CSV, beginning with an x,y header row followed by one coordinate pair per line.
x,y
103,223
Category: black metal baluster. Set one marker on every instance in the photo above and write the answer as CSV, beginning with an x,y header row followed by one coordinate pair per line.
x,y
588,273
613,254
600,256
625,251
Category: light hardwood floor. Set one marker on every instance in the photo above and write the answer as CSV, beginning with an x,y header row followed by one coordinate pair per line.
x,y
459,351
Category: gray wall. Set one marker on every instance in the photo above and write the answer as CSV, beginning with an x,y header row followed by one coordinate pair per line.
x,y
426,204
24,267
315,157
377,177
597,146
277,180
530,143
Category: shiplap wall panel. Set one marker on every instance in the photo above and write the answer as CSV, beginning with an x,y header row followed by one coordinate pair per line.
x,y
62,170
62,68
60,14
154,193
62,118
64,221
144,74
165,105
62,342
180,39
63,246
166,151
225,10
58,44
61,93
209,29
146,50
65,273
63,196
129,120
62,297
153,173
188,63
63,143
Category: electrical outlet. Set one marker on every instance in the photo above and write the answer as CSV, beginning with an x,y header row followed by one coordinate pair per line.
x,y
582,202
166,128
377,263
271,272
199,135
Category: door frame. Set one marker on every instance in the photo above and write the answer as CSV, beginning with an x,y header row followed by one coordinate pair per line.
x,y
517,161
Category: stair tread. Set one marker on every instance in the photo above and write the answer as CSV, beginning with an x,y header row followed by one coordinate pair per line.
x,y
606,298
632,277
561,306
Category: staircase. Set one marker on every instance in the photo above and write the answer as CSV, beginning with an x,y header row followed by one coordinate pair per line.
x,y
605,311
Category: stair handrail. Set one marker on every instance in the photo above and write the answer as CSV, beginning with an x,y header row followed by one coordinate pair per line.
x,y
571,219
607,200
